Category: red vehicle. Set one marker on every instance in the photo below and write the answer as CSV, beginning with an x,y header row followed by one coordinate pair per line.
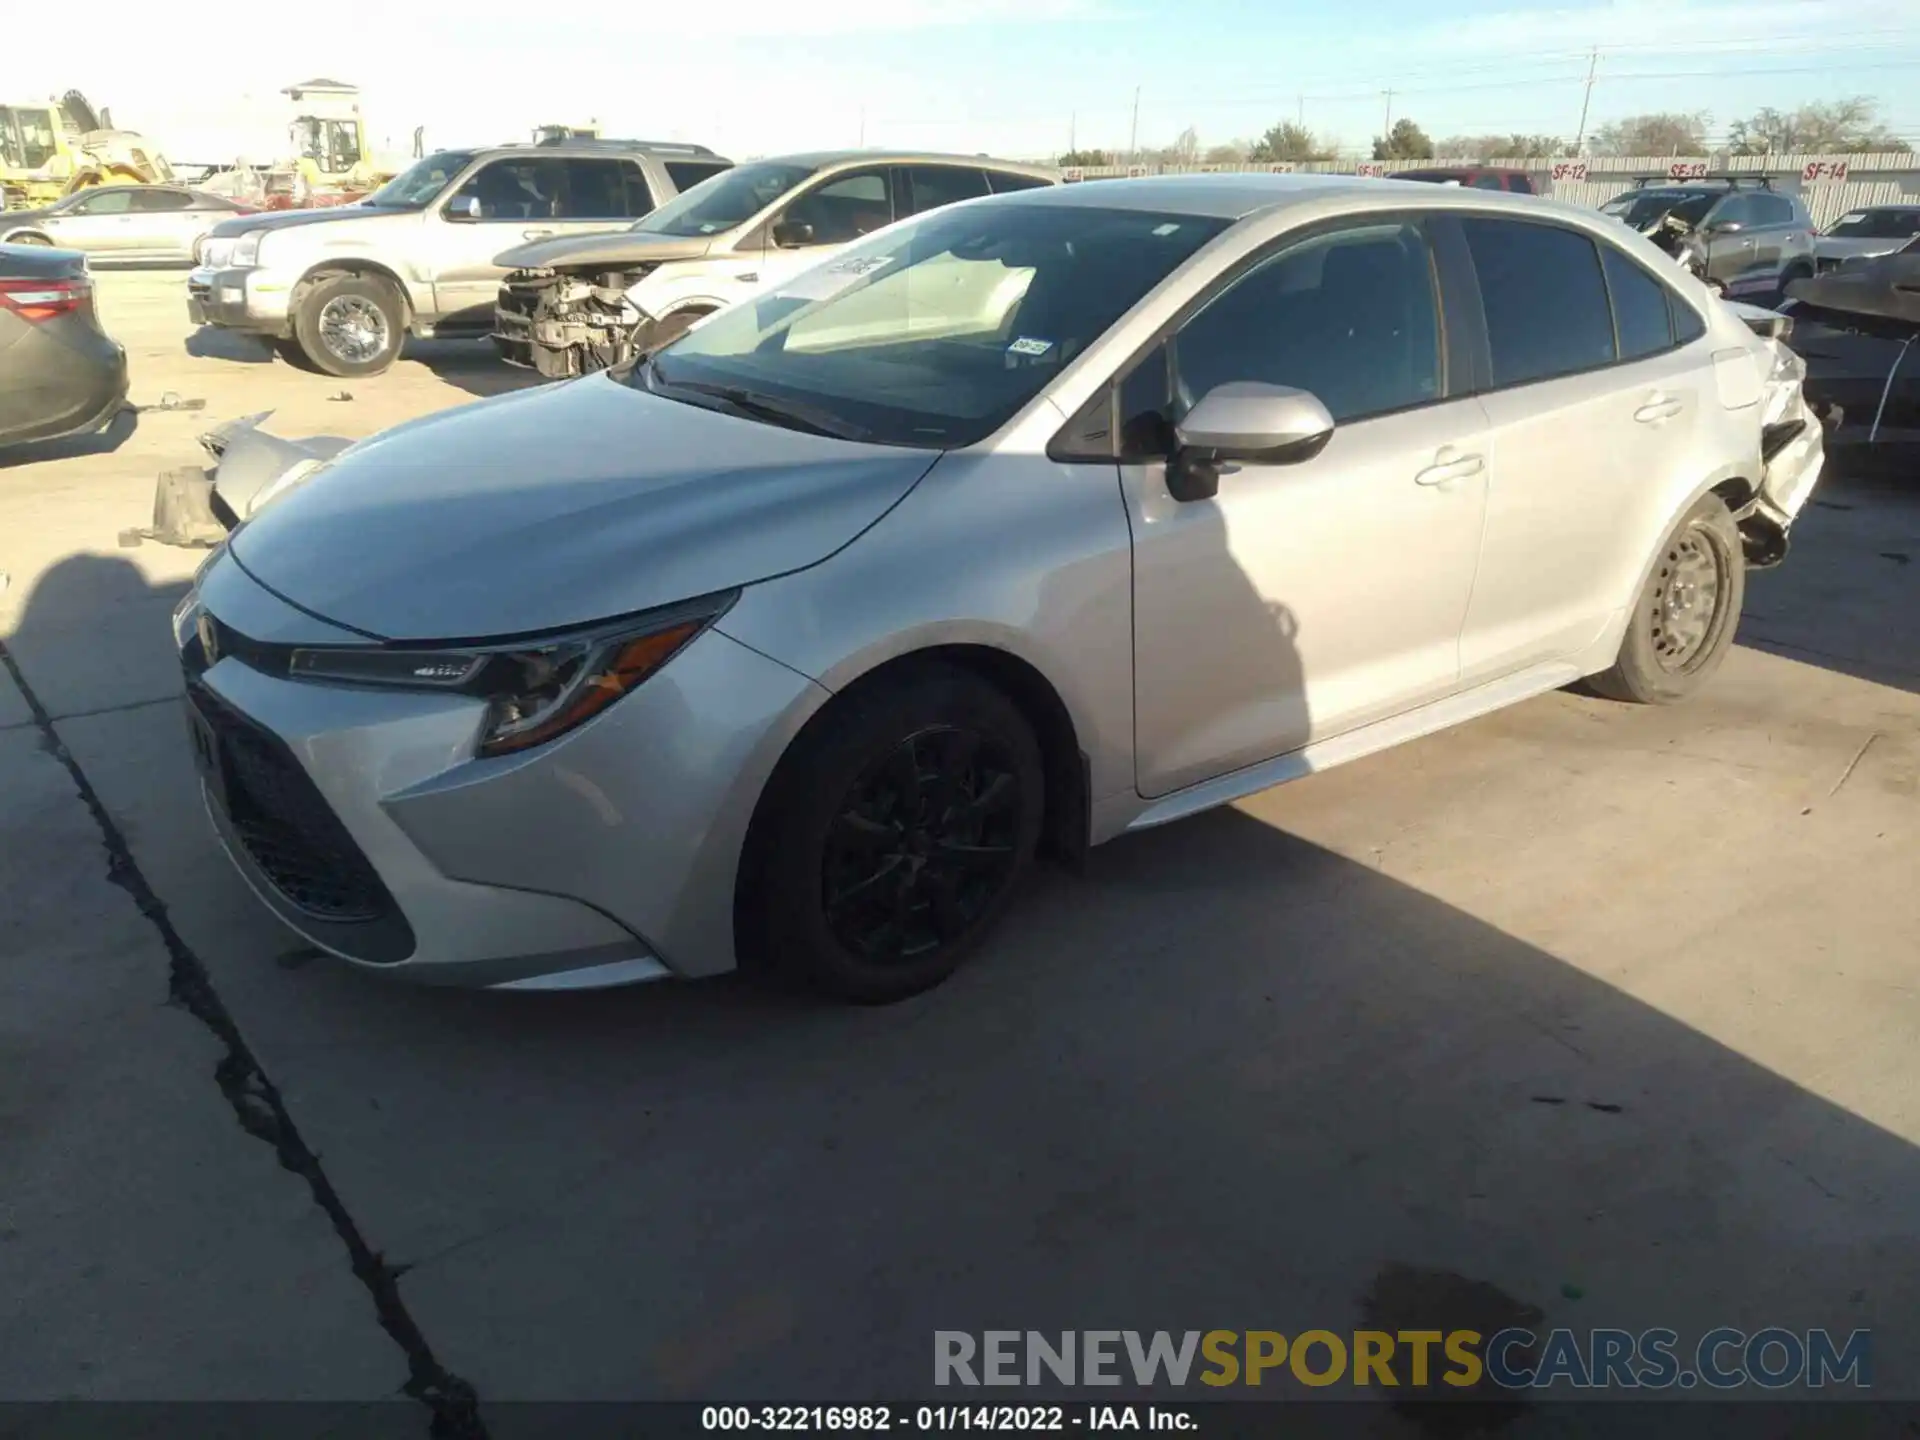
x,y
1475,177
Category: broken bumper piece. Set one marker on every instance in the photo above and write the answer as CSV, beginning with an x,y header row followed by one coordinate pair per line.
x,y
197,506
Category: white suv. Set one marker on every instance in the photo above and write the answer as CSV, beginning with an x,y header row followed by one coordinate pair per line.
x,y
341,288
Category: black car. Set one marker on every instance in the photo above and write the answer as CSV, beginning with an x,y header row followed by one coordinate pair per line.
x,y
1858,330
60,373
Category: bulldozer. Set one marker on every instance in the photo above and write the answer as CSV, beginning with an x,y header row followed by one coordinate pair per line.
x,y
331,162
52,148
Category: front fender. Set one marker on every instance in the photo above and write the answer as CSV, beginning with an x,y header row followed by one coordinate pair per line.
x,y
672,288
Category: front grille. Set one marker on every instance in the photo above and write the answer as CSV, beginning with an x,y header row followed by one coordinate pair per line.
x,y
285,824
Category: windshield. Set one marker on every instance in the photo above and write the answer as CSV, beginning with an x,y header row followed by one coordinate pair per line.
x,y
1640,208
936,333
1890,224
724,201
415,187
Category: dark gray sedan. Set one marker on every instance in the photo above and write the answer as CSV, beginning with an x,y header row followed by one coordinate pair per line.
x,y
124,222
60,373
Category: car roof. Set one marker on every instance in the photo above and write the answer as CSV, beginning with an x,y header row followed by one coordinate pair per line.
x,y
585,149
823,159
1238,195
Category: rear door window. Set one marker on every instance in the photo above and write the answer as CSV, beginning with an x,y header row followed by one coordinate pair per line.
x,y
600,190
157,198
931,186
1487,182
1544,297
1003,181
686,174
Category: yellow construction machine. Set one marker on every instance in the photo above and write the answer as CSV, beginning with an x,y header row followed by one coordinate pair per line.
x,y
51,148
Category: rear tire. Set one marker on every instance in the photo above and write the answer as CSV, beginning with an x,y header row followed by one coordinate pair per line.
x,y
895,834
351,325
1684,618
30,238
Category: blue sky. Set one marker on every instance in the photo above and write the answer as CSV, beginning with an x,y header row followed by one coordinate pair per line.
x,y
1015,77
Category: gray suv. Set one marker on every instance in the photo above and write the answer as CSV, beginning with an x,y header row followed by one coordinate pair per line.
x,y
340,288
1739,236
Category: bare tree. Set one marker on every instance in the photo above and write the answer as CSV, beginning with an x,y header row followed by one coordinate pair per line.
x,y
1833,126
1231,153
1085,159
1660,133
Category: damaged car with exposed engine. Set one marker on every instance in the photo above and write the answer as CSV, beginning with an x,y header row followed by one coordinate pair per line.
x,y
573,306
1735,233
339,289
1858,330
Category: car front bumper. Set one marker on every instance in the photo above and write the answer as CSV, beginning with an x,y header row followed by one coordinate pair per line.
x,y
363,820
254,300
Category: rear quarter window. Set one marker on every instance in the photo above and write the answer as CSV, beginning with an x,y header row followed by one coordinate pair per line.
x,y
1004,182
686,174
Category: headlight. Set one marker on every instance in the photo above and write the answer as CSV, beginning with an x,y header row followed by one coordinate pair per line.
x,y
217,252
536,690
247,250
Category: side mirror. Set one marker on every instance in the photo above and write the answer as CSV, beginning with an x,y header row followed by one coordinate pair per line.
x,y
1726,227
1244,421
463,212
792,234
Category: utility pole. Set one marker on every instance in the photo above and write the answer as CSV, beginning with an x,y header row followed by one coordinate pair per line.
x,y
1133,134
863,127
1593,63
1386,134
1073,132
1300,109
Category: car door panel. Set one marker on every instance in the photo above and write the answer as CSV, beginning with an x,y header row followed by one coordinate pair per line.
x,y
1579,459
1305,600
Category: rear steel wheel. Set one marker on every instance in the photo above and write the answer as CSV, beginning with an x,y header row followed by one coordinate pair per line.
x,y
1682,624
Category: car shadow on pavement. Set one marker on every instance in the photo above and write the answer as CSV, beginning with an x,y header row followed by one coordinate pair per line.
x,y
1847,596
210,342
105,441
470,365
1227,1079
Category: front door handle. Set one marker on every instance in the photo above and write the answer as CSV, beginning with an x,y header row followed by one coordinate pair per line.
x,y
1448,466
1658,408
535,234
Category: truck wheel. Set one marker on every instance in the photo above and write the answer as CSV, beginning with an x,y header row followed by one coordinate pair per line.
x,y
1683,620
351,325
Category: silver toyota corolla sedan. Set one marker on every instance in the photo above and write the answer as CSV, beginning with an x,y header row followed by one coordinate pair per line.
x,y
1019,525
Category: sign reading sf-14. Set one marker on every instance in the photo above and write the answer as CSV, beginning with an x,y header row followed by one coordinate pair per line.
x,y
1832,172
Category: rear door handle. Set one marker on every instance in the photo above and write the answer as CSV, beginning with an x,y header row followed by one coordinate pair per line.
x,y
1660,407
1447,466
535,234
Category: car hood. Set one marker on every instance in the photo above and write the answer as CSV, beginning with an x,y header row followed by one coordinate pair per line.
x,y
1882,293
11,218
622,247
294,219
1839,247
560,506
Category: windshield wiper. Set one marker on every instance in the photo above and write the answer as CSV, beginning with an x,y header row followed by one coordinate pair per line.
x,y
792,414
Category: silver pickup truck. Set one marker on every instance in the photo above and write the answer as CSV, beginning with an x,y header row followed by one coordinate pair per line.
x,y
340,289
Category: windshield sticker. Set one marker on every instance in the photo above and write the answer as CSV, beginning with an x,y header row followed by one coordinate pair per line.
x,y
1166,229
830,280
1025,345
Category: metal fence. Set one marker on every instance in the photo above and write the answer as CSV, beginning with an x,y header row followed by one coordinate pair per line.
x,y
1829,185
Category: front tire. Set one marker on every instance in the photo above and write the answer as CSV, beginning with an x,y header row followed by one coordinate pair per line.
x,y
351,325
894,836
667,329
1684,619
